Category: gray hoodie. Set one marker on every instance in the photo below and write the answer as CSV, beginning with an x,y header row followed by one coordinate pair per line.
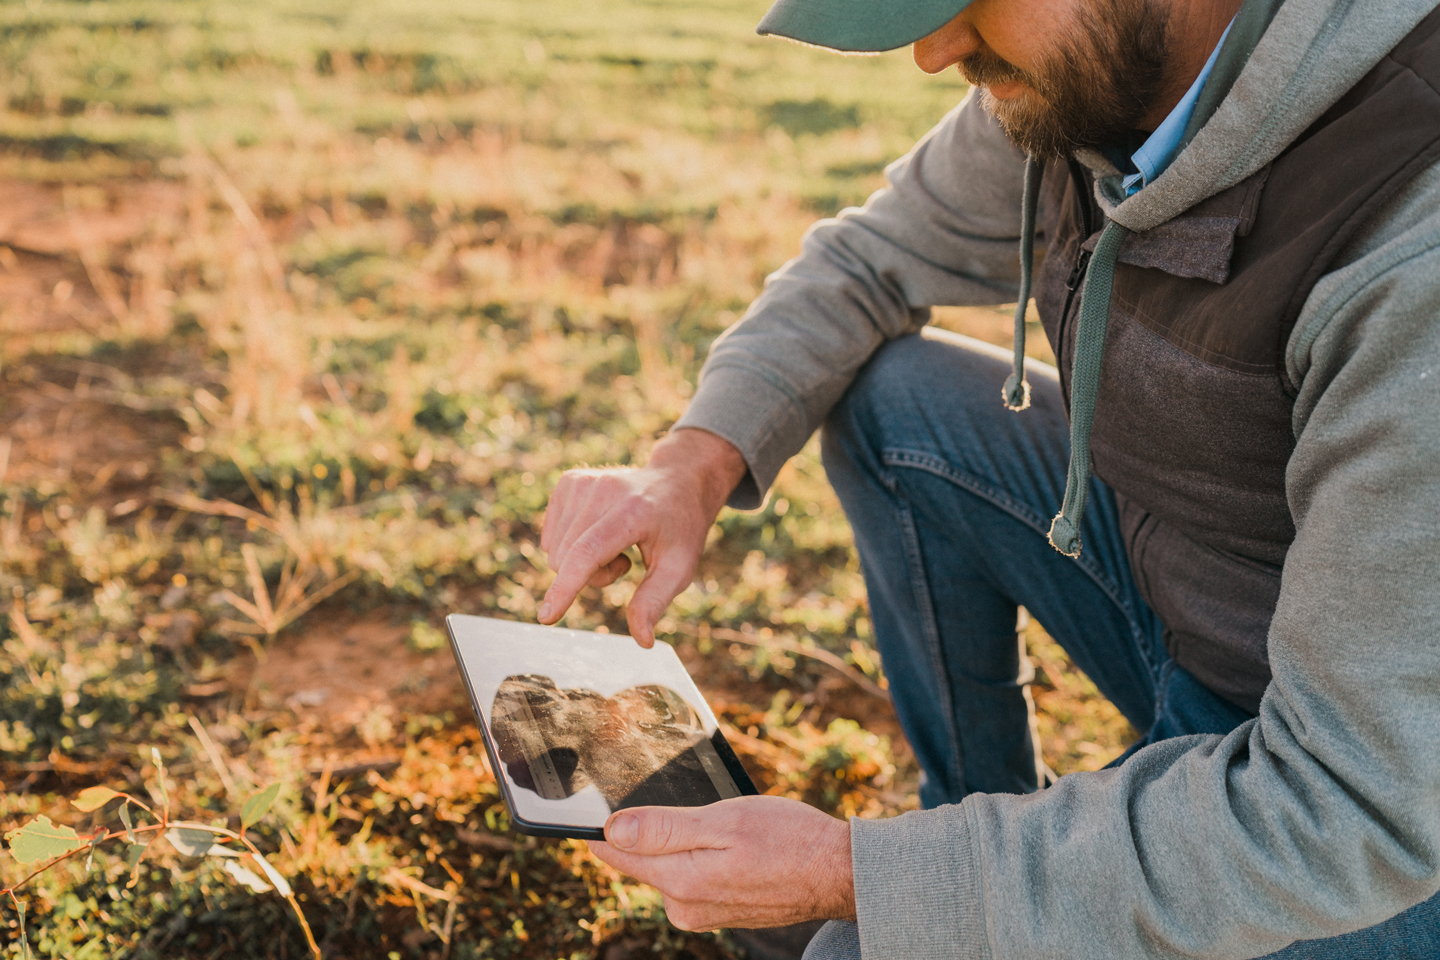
x,y
1320,816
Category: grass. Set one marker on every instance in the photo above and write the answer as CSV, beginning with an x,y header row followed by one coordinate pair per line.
x,y
305,306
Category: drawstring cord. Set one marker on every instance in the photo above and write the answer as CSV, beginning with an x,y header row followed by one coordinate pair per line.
x,y
1085,385
1085,369
1016,391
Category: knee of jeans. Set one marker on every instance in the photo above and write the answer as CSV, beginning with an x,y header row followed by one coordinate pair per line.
x,y
850,435
901,380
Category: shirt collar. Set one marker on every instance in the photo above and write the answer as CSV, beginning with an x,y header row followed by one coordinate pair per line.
x,y
1156,153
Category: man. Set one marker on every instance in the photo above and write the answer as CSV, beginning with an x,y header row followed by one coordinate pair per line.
x,y
1238,206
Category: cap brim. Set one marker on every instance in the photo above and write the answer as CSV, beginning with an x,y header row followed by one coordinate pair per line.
x,y
858,26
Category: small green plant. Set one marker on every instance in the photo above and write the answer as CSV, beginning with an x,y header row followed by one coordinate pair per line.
x,y
44,842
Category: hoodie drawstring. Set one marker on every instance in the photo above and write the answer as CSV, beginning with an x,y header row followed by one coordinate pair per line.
x,y
1085,368
1085,385
1016,391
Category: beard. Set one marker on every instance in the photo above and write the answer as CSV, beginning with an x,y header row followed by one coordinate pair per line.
x,y
1093,89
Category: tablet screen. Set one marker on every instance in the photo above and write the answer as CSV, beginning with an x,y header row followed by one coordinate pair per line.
x,y
583,724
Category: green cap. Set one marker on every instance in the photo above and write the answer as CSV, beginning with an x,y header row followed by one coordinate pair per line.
x,y
858,26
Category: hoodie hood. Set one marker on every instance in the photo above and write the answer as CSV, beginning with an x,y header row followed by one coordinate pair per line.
x,y
1313,52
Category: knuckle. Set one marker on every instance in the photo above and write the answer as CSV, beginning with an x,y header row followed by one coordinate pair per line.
x,y
640,506
582,554
607,485
663,832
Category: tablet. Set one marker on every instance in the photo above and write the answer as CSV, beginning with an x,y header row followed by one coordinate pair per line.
x,y
578,725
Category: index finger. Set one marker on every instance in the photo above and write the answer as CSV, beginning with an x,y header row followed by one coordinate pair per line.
x,y
660,872
594,549
555,509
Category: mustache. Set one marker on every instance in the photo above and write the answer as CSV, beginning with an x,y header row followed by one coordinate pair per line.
x,y
984,68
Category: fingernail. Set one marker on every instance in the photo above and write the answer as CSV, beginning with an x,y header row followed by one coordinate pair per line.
x,y
623,831
545,610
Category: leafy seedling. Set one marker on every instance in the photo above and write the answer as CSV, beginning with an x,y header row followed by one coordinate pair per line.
x,y
257,806
41,839
93,798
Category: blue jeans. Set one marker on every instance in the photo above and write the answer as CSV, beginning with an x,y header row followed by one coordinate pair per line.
x,y
950,497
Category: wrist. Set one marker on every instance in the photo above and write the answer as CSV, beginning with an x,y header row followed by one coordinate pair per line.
x,y
714,464
838,900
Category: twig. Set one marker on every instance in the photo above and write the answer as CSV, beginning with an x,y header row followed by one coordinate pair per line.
x,y
214,754
396,878
222,508
447,929
258,590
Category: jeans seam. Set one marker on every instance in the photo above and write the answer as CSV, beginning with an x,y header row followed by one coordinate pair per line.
x,y
928,462
920,584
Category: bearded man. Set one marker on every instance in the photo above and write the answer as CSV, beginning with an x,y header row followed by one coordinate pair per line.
x,y
1233,212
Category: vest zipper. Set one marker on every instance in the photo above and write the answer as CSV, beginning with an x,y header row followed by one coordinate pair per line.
x,y
1077,275
1082,257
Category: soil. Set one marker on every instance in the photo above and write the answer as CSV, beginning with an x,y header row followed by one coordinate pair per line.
x,y
63,423
56,243
335,672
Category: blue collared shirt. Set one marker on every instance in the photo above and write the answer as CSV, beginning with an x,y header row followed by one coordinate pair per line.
x,y
1156,153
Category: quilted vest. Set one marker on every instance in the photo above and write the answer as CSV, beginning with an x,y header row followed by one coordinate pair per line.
x,y
1193,423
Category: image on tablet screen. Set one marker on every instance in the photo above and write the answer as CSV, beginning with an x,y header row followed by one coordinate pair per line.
x,y
584,724
641,746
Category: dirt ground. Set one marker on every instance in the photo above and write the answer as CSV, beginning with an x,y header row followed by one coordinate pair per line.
x,y
74,422
53,270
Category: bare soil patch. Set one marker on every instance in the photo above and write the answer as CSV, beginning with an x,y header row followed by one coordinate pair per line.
x,y
67,255
342,671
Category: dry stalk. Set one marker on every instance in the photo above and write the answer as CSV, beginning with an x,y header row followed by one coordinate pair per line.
x,y
299,570
293,597
100,277
205,164
213,752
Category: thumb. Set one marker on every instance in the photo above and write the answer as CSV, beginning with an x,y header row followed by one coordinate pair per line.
x,y
654,831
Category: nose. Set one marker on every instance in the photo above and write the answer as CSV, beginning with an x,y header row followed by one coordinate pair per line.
x,y
946,46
